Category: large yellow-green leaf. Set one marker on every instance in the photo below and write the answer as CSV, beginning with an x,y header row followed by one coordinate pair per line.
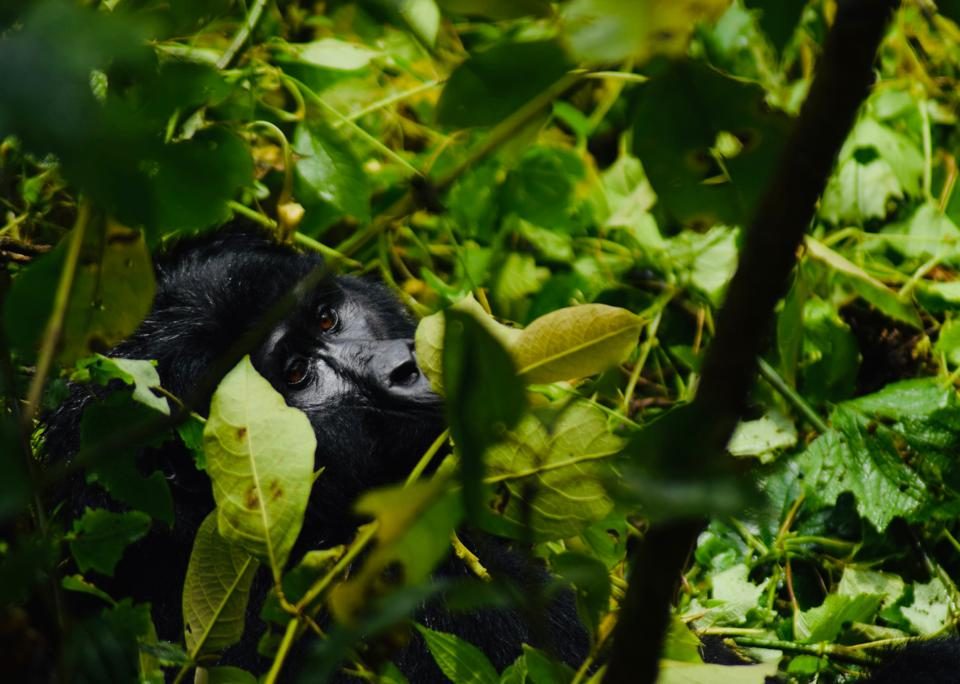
x,y
216,590
112,293
609,31
575,342
556,475
260,455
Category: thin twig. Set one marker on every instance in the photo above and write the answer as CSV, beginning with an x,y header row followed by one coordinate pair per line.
x,y
54,329
250,22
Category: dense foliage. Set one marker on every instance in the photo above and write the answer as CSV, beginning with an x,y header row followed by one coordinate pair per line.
x,y
569,182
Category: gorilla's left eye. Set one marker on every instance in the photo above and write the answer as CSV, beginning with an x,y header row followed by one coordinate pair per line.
x,y
296,371
327,319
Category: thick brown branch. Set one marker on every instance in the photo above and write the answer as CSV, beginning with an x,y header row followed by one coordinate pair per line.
x,y
843,79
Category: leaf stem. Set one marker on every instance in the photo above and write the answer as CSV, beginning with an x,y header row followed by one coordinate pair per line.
x,y
828,650
54,330
288,638
770,374
250,22
364,536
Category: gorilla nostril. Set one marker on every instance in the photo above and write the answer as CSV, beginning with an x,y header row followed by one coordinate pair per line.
x,y
406,373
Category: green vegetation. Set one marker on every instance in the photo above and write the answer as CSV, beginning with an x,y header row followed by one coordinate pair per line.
x,y
571,183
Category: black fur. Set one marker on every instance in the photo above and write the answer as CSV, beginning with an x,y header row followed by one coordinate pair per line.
x,y
921,662
369,432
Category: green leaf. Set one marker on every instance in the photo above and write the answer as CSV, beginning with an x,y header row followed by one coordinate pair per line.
x,y
552,479
191,181
673,672
948,342
542,669
142,375
680,114
99,538
575,342
81,585
856,581
927,234
540,188
759,437
485,398
119,472
825,622
680,643
460,661
260,456
491,85
929,613
876,166
229,675
330,53
609,31
868,287
421,17
705,262
868,461
215,591
497,9
413,535
330,180
590,580
778,19
112,293
831,357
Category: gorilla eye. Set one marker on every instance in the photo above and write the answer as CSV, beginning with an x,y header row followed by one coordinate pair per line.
x,y
327,318
296,371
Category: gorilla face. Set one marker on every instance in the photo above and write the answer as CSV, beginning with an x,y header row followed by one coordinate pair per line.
x,y
342,361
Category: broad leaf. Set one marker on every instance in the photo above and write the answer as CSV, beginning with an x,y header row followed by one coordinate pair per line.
x,y
493,84
330,180
413,535
608,31
112,292
260,456
485,398
216,591
552,478
575,342
459,660
99,538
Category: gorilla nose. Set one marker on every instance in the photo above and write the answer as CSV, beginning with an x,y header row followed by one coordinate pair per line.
x,y
405,374
399,373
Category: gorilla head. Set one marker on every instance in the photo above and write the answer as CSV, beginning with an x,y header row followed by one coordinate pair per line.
x,y
343,355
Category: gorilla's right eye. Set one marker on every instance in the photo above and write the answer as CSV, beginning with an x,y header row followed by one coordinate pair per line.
x,y
296,371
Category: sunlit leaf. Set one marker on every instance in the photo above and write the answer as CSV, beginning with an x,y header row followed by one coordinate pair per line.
x,y
575,342
260,455
552,479
607,31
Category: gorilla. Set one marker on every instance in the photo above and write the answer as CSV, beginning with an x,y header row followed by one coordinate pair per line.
x,y
344,356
